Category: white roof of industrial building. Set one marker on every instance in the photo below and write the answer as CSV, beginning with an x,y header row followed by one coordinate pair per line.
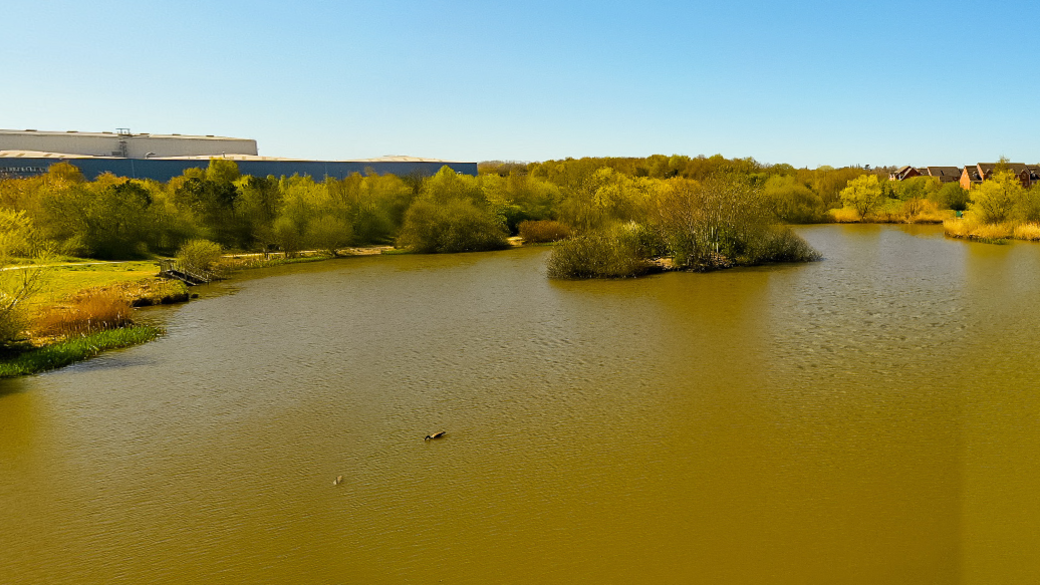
x,y
42,154
30,131
238,157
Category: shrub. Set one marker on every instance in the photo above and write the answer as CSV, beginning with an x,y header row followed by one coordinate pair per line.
x,y
951,196
534,232
614,253
1027,208
199,256
778,244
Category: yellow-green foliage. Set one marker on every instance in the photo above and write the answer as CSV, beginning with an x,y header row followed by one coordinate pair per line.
x,y
87,314
792,201
863,194
609,253
452,215
534,232
17,285
1028,231
971,228
926,212
845,215
994,199
199,256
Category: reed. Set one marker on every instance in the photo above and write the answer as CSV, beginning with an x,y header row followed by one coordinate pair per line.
x,y
925,211
74,349
971,229
845,215
83,315
231,264
537,232
1028,231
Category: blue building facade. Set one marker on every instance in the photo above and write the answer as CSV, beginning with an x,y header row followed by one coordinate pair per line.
x,y
165,169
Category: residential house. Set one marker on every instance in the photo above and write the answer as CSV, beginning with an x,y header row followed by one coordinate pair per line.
x,y
1028,175
904,173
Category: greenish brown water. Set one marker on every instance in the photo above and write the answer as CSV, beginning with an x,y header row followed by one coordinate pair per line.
x,y
873,418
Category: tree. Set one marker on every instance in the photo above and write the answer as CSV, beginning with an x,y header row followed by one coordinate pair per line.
x,y
951,196
455,226
18,285
328,233
862,194
993,200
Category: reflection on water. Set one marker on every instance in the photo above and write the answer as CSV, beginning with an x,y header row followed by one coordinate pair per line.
x,y
867,419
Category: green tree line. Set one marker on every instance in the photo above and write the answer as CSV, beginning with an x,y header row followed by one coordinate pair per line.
x,y
117,218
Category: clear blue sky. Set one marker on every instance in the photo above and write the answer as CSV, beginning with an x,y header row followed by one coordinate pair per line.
x,y
804,82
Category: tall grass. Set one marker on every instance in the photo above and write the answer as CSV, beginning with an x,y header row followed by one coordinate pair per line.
x,y
73,350
86,314
1028,231
970,228
536,232
232,264
845,215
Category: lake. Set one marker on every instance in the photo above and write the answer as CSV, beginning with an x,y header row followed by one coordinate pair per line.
x,y
871,418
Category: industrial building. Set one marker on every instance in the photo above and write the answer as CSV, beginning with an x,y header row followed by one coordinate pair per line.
x,y
25,153
123,144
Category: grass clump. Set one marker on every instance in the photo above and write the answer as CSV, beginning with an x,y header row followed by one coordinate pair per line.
x,y
971,229
73,350
537,232
1028,231
85,314
258,261
845,215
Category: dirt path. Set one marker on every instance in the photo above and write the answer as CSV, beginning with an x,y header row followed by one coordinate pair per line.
x,y
358,251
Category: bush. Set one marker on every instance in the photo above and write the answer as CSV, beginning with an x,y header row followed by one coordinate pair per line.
x,y
456,226
951,196
614,253
199,256
779,244
535,232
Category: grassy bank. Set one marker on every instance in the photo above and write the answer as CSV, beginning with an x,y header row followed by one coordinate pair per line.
x,y
993,233
72,350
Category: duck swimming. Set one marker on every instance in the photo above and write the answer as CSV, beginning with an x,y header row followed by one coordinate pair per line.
x,y
338,480
435,435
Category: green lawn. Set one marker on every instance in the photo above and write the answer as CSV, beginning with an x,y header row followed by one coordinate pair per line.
x,y
61,281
